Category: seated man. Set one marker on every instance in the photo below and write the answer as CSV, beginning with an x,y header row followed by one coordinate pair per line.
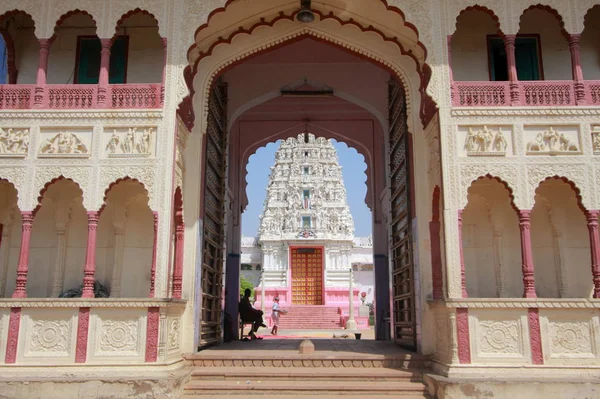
x,y
248,313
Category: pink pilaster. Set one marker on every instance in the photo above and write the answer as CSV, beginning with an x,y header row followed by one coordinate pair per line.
x,y
574,47
509,45
463,277
83,326
436,260
450,72
152,334
178,269
164,71
535,336
526,254
462,335
14,323
90,256
40,81
592,222
23,266
104,71
154,247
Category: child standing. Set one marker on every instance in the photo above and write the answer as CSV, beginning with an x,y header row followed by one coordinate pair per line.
x,y
275,315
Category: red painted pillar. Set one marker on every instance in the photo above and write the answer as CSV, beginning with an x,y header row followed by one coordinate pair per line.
x,y
178,269
526,254
535,336
154,247
592,222
463,336
164,72
12,339
436,260
574,47
23,267
103,78
463,277
515,92
83,326
152,326
40,81
90,256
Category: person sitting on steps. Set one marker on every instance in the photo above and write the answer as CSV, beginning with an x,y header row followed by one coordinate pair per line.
x,y
249,314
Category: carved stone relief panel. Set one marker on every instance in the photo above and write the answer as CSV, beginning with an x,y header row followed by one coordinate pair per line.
x,y
48,333
129,142
485,141
499,336
173,333
119,336
14,141
569,336
552,140
65,143
596,139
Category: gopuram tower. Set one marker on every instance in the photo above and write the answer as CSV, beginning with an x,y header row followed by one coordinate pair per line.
x,y
306,229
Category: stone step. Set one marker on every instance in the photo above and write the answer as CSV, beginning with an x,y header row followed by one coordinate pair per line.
x,y
304,373
271,395
314,389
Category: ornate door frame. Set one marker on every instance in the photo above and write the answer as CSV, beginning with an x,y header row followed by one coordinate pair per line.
x,y
404,321
213,211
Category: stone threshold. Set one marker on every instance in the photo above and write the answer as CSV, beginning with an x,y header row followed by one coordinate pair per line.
x,y
92,303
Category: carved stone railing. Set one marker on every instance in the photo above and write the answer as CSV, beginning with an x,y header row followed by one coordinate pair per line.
x,y
480,94
592,91
135,96
16,96
73,96
547,93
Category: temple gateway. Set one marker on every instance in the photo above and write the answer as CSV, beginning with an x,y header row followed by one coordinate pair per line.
x,y
125,132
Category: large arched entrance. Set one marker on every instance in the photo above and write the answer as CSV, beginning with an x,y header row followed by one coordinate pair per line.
x,y
274,77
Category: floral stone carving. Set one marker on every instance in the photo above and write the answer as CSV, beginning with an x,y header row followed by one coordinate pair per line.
x,y
119,336
570,337
14,142
64,143
551,142
50,336
500,336
132,143
485,142
174,333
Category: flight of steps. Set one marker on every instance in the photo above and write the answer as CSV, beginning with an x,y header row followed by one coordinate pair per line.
x,y
310,317
271,375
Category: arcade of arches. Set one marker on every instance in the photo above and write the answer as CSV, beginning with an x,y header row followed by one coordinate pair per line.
x,y
122,173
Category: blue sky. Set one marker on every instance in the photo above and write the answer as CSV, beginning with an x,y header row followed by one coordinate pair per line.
x,y
353,169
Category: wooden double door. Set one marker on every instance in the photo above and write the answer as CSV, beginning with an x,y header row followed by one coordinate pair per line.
x,y
307,276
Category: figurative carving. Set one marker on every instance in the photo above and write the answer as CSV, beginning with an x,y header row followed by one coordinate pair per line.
x,y
14,142
485,142
596,140
64,143
551,141
131,143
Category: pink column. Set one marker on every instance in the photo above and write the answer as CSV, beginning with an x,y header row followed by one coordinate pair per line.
x,y
436,260
152,334
83,326
23,267
12,341
154,246
42,72
463,278
90,256
535,336
104,71
509,45
526,254
462,335
178,269
164,72
592,222
574,46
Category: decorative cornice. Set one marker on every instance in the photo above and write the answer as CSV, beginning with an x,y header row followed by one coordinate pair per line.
x,y
516,303
538,111
92,303
62,115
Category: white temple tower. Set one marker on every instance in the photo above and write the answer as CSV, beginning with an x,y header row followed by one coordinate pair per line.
x,y
306,229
